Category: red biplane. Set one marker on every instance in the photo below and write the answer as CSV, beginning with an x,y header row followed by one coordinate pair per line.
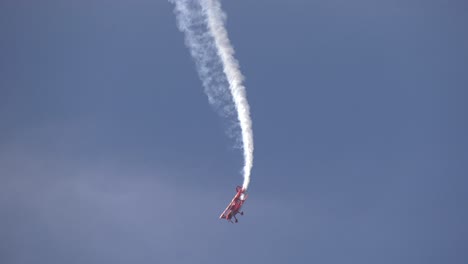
x,y
233,208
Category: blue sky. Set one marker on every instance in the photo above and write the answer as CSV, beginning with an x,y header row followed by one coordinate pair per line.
x,y
110,152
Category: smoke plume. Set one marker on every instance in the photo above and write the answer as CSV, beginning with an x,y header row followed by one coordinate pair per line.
x,y
202,22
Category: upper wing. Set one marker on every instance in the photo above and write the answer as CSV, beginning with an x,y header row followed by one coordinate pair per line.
x,y
224,214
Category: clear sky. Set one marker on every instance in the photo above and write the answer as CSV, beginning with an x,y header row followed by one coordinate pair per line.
x,y
110,152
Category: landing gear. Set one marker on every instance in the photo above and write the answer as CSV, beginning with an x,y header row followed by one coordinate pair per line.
x,y
242,213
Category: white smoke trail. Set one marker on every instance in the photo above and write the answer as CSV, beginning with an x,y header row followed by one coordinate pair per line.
x,y
203,25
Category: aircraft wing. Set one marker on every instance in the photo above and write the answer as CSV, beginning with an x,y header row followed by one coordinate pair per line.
x,y
225,212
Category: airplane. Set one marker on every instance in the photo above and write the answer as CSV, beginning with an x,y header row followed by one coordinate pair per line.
x,y
233,208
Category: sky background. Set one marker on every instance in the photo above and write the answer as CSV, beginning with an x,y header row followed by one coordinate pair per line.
x,y
110,152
